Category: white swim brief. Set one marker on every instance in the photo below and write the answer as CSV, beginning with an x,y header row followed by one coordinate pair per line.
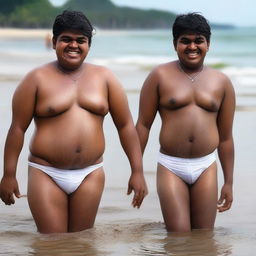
x,y
188,169
67,180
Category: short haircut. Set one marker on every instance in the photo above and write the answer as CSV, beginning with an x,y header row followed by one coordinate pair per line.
x,y
72,21
191,23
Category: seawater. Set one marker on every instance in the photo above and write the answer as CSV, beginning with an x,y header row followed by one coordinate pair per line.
x,y
234,50
120,229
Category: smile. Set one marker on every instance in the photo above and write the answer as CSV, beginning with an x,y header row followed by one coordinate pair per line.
x,y
192,54
72,53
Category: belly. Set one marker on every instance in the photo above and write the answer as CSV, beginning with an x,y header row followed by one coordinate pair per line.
x,y
68,143
188,136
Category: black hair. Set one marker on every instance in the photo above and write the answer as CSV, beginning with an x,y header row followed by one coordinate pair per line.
x,y
191,22
72,20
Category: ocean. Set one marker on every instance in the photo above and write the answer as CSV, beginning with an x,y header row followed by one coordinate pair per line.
x,y
120,229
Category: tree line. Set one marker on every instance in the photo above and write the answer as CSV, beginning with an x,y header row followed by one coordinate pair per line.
x,y
102,13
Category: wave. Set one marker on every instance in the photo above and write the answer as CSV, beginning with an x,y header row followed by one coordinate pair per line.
x,y
13,64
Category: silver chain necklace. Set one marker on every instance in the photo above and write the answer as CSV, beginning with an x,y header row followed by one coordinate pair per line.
x,y
68,74
191,78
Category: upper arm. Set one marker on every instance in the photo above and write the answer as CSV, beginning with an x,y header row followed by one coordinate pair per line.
x,y
226,112
23,102
118,103
149,100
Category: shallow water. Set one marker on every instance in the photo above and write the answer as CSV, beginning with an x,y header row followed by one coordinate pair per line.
x,y
130,237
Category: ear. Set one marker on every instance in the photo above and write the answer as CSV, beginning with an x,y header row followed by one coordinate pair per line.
x,y
174,44
208,45
54,42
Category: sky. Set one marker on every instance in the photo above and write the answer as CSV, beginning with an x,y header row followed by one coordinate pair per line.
x,y
234,12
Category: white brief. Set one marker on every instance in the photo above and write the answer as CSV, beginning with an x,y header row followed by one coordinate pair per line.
x,y
67,180
188,169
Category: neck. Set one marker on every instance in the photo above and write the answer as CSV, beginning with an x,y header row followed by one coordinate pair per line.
x,y
190,69
72,74
192,75
67,70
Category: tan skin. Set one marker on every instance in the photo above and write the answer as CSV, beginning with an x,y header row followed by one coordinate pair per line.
x,y
196,119
68,100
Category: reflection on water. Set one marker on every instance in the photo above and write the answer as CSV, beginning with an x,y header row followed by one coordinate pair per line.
x,y
65,245
204,242
197,242
131,237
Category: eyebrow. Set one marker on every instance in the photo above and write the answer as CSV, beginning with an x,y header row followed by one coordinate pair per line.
x,y
78,37
197,37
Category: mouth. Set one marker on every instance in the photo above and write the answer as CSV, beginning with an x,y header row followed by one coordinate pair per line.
x,y
193,55
73,53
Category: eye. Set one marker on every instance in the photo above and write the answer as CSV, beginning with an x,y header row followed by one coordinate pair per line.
x,y
65,39
185,41
82,40
199,40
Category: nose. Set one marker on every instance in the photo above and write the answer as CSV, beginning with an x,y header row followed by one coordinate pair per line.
x,y
73,44
192,46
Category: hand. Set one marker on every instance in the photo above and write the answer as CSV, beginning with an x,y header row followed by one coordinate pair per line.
x,y
8,187
138,184
226,198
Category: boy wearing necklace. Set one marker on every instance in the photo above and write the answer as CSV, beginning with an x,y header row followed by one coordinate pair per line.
x,y
196,104
68,100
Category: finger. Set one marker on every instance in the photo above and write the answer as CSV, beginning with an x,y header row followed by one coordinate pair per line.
x,y
20,196
129,190
12,201
226,206
136,199
221,199
139,202
17,192
139,199
8,200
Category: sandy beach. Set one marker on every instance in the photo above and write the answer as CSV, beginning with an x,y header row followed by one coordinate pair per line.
x,y
23,33
120,229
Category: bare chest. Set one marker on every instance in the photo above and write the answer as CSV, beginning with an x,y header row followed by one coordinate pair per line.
x,y
181,96
56,98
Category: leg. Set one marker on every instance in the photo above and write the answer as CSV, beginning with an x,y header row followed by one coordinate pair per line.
x,y
173,194
47,202
84,202
204,199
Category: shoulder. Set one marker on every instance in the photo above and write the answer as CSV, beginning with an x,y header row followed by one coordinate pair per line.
x,y
39,72
99,69
164,68
160,73
219,78
217,74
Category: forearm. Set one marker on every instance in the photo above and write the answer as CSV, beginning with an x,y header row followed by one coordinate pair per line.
x,y
130,143
226,156
13,146
143,134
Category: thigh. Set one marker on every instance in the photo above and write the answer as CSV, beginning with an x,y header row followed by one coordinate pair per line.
x,y
173,194
204,199
47,202
84,202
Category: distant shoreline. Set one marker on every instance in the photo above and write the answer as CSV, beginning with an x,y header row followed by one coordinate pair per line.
x,y
42,33
24,33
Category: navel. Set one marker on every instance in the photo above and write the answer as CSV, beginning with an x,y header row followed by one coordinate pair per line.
x,y
78,149
191,139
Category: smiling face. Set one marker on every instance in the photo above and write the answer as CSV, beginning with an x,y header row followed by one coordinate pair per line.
x,y
191,50
71,49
